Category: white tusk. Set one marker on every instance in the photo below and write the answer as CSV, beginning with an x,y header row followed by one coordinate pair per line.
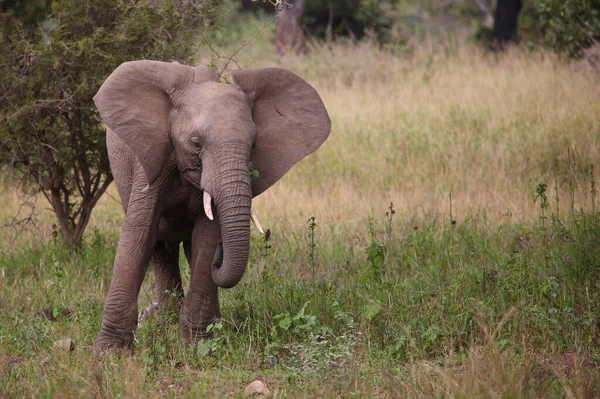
x,y
208,205
254,218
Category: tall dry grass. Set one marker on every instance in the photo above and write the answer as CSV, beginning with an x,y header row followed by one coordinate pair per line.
x,y
413,128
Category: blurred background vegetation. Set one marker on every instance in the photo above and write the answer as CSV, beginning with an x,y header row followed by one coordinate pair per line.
x,y
564,26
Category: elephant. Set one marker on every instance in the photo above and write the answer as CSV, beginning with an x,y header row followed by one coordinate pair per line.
x,y
181,146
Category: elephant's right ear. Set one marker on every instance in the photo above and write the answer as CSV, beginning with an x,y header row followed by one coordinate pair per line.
x,y
291,121
135,103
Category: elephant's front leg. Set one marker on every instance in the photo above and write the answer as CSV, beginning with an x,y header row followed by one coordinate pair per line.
x,y
136,243
201,304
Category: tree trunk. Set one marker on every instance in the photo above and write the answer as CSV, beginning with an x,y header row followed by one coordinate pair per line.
x,y
505,22
288,33
72,228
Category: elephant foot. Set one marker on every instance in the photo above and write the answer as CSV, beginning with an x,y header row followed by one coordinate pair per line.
x,y
109,343
192,333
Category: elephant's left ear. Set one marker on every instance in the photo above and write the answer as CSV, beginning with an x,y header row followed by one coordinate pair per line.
x,y
290,118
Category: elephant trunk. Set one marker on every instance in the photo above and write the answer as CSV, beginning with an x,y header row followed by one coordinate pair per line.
x,y
233,200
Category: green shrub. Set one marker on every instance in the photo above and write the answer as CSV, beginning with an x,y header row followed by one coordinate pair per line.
x,y
51,137
569,26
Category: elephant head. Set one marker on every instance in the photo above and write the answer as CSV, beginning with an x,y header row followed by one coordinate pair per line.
x,y
269,117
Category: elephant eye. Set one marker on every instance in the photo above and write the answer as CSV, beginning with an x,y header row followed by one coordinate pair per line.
x,y
195,142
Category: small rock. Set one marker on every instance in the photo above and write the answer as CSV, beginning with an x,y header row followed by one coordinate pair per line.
x,y
64,345
257,387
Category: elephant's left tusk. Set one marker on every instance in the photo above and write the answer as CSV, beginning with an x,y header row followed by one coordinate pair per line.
x,y
254,218
208,205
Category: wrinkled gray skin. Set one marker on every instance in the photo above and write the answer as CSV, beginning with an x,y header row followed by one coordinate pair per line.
x,y
173,132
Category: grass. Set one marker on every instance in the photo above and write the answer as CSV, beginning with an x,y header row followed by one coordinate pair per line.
x,y
459,310
468,288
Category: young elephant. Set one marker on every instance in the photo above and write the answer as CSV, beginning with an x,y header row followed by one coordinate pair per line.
x,y
180,141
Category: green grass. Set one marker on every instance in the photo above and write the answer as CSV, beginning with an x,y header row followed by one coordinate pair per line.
x,y
446,301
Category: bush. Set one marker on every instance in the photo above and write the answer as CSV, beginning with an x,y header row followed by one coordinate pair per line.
x,y
569,26
347,17
51,137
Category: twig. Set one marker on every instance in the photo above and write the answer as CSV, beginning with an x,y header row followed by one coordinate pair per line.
x,y
19,224
234,54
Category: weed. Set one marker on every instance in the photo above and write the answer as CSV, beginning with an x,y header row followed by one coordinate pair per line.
x,y
59,275
214,345
540,194
313,349
376,252
312,225
593,189
389,216
158,341
266,239
452,221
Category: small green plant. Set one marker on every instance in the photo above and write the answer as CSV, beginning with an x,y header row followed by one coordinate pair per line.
x,y
208,347
312,225
313,348
266,239
572,180
158,333
452,221
376,252
371,309
540,195
254,174
556,217
58,275
389,215
593,189
157,338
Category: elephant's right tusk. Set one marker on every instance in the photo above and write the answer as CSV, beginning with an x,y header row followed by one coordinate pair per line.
x,y
208,205
254,218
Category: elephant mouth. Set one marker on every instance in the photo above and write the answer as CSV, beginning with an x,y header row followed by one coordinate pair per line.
x,y
191,169
192,175
207,201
